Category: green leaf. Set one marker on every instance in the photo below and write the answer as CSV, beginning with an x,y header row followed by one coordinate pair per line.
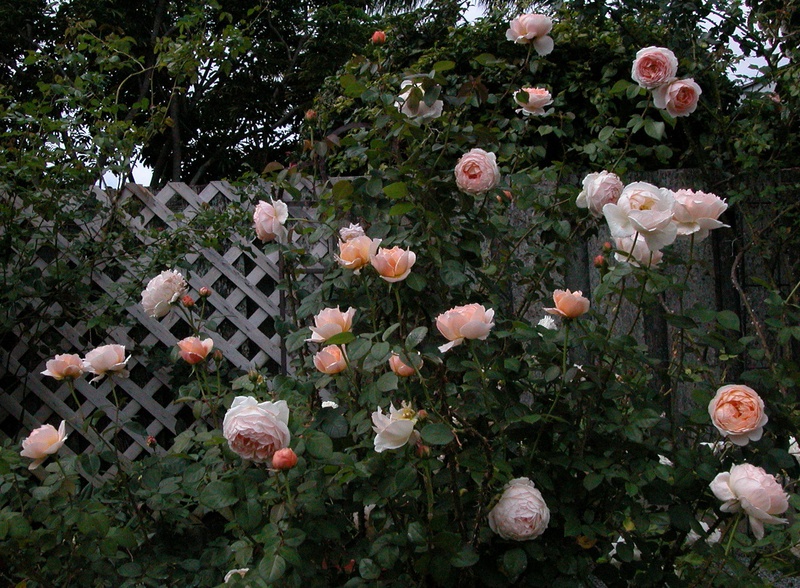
x,y
368,569
605,134
387,382
416,282
654,129
340,338
388,332
318,445
437,434
465,558
401,208
273,569
514,563
592,481
396,190
443,65
728,320
218,494
342,189
416,337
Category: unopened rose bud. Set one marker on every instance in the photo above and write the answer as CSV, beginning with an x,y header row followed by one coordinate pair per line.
x,y
218,355
423,450
599,261
151,441
422,414
253,375
508,195
205,291
378,38
284,459
311,114
187,301
607,247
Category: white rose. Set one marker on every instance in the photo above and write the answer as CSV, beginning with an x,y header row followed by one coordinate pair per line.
x,y
697,212
254,430
645,209
167,287
599,189
521,514
395,429
106,359
413,106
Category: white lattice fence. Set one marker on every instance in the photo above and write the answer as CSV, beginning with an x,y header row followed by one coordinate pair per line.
x,y
242,308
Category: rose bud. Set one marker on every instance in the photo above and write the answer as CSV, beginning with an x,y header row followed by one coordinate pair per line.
x,y
187,301
205,291
378,38
311,114
284,459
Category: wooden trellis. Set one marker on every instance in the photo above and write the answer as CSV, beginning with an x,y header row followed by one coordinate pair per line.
x,y
243,306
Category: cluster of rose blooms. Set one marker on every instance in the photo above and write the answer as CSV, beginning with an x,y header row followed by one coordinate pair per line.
x,y
533,29
644,218
656,68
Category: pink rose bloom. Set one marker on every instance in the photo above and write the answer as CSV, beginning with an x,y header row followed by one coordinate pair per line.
x,y
476,171
43,442
645,209
355,253
284,459
329,322
679,97
532,28
393,265
634,250
106,360
471,321
67,366
569,304
166,288
330,360
737,412
413,106
193,350
395,429
521,514
254,430
351,232
697,212
400,367
537,99
599,189
654,67
269,218
754,491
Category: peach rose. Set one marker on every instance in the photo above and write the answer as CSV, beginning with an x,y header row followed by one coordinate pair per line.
x,y
329,322
355,253
654,67
67,366
477,172
393,265
43,442
269,218
378,38
569,304
395,429
330,360
697,212
532,28
471,321
284,459
193,350
105,360
599,189
521,514
411,103
400,367
754,491
534,102
254,430
679,97
165,289
737,412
